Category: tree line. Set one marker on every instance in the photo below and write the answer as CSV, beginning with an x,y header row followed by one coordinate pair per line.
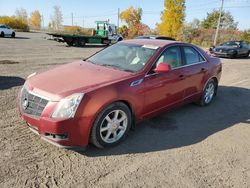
x,y
22,22
172,24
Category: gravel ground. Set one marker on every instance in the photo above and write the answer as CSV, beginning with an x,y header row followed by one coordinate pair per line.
x,y
187,147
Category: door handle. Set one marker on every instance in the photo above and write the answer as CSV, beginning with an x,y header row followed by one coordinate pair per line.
x,y
203,70
182,77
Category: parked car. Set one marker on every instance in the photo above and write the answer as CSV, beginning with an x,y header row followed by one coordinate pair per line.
x,y
232,49
154,37
101,98
6,31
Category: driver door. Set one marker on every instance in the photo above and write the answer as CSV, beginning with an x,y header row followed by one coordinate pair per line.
x,y
165,90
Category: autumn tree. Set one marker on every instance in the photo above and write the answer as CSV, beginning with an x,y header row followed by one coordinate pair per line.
x,y
35,20
246,36
123,30
22,15
227,20
57,18
132,17
172,18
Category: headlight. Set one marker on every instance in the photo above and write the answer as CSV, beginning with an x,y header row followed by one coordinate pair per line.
x,y
67,107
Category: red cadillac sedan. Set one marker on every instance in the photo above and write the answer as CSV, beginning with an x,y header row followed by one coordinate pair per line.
x,y
99,99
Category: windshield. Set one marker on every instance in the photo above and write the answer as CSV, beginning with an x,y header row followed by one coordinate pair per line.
x,y
126,57
231,44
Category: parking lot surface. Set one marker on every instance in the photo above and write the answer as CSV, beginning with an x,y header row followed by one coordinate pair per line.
x,y
190,146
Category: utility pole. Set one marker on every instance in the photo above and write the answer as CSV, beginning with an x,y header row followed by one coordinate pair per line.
x,y
218,24
72,19
118,18
82,22
42,22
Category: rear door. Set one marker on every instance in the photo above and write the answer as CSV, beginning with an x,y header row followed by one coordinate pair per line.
x,y
195,71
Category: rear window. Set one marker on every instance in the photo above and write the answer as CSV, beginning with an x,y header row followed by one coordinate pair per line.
x,y
192,56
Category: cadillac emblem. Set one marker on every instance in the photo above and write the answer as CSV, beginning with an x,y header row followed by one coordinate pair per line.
x,y
25,103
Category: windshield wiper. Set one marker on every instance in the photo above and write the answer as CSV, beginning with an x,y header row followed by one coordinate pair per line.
x,y
116,67
87,60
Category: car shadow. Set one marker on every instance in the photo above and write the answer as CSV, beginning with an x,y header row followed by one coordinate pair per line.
x,y
7,82
184,126
14,38
21,37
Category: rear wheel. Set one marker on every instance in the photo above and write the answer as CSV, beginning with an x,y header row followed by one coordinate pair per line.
x,y
2,34
111,126
208,93
81,42
247,55
13,35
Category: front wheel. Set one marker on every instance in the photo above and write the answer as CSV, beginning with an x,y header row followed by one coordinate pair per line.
x,y
111,125
208,93
2,34
13,35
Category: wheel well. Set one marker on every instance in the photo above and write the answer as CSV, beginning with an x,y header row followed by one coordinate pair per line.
x,y
216,80
131,110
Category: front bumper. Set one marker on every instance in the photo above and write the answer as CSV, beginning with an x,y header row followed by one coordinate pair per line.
x,y
223,54
64,133
72,132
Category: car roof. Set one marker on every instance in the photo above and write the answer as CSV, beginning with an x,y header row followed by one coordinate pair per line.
x,y
154,37
155,42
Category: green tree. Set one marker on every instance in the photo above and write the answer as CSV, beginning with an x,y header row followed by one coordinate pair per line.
x,y
227,20
172,18
190,30
246,36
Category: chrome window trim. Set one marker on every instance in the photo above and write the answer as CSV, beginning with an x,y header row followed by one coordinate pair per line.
x,y
183,66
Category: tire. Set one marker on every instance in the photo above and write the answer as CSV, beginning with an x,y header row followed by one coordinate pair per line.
x,y
247,55
2,34
70,43
81,42
111,125
234,55
209,92
120,39
13,34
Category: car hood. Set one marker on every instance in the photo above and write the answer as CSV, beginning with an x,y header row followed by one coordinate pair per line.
x,y
79,76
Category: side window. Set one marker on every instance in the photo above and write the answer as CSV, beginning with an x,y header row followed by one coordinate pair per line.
x,y
192,56
171,56
244,45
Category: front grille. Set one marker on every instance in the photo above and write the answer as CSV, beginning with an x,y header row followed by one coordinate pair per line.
x,y
32,104
221,50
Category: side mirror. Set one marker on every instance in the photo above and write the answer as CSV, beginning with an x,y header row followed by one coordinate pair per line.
x,y
162,67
